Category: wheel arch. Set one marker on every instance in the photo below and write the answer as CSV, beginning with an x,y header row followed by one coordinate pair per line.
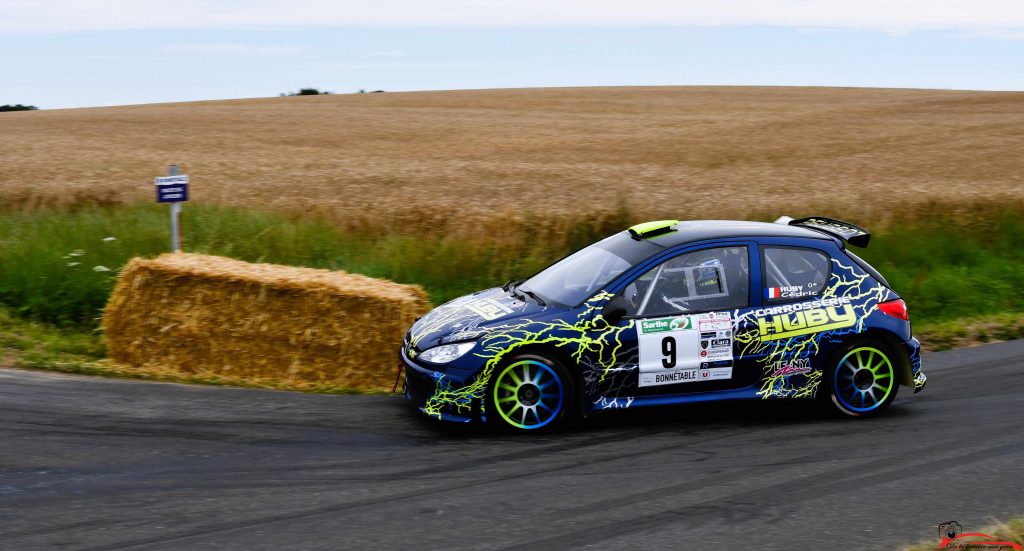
x,y
565,358
901,362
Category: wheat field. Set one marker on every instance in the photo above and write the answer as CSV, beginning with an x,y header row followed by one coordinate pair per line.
x,y
431,160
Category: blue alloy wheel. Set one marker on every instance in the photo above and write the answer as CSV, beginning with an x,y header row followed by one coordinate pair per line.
x,y
863,380
528,394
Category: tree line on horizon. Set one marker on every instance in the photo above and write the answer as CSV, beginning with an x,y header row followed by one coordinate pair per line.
x,y
17,107
317,92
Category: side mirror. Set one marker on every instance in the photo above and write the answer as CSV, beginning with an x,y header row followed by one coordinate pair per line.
x,y
614,310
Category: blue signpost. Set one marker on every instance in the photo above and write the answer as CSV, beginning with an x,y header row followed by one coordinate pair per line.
x,y
173,189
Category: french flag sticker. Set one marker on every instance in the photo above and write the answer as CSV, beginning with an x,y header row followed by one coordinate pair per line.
x,y
772,292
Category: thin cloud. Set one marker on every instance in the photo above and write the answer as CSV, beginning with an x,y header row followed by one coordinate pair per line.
x,y
206,48
410,65
386,54
999,34
991,18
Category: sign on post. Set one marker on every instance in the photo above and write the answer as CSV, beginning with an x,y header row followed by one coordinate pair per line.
x,y
173,189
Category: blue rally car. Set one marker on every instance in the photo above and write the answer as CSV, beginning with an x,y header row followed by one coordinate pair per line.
x,y
671,312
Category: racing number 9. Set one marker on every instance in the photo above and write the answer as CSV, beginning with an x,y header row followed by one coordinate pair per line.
x,y
668,349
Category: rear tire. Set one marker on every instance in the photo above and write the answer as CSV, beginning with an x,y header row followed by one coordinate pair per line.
x,y
530,394
862,379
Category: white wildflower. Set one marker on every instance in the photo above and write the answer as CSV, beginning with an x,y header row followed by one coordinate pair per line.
x,y
73,264
109,239
100,269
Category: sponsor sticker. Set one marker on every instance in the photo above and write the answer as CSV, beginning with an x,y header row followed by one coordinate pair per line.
x,y
489,309
668,377
796,307
797,366
715,325
685,376
804,321
679,323
834,226
661,325
718,373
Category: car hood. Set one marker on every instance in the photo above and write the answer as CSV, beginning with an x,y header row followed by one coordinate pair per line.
x,y
468,317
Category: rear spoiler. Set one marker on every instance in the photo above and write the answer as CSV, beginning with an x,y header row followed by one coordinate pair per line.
x,y
854,235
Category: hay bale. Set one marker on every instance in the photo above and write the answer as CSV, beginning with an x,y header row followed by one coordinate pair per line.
x,y
198,315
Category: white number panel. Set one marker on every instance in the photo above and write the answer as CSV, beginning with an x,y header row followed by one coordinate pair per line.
x,y
685,349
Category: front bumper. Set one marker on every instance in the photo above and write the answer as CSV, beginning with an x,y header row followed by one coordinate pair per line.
x,y
427,390
919,381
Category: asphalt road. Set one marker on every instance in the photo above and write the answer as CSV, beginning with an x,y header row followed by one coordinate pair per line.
x,y
91,463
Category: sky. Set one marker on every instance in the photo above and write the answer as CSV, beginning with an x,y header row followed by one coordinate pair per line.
x,y
81,53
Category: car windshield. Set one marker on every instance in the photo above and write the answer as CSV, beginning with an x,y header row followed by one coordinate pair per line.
x,y
571,280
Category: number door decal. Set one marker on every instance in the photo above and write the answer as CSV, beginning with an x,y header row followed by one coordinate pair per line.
x,y
685,349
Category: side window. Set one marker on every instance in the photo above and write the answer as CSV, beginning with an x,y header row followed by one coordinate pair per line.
x,y
794,273
699,281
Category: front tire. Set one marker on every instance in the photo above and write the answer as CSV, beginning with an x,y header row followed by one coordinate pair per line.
x,y
530,393
862,379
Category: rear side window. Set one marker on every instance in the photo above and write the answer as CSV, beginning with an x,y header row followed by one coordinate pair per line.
x,y
794,273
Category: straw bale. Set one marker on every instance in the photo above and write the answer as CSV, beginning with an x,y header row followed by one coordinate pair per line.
x,y
206,315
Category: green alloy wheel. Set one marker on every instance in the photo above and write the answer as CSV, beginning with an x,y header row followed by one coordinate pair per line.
x,y
530,393
864,381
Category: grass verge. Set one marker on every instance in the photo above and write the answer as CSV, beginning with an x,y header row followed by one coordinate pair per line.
x,y
970,331
31,341
34,345
1010,531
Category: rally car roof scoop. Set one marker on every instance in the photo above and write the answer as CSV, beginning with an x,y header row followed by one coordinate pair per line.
x,y
850,233
652,229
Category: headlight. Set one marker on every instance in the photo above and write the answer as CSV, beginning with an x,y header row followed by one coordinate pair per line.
x,y
446,353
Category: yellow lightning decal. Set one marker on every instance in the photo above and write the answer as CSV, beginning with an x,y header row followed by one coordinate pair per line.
x,y
586,335
845,283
